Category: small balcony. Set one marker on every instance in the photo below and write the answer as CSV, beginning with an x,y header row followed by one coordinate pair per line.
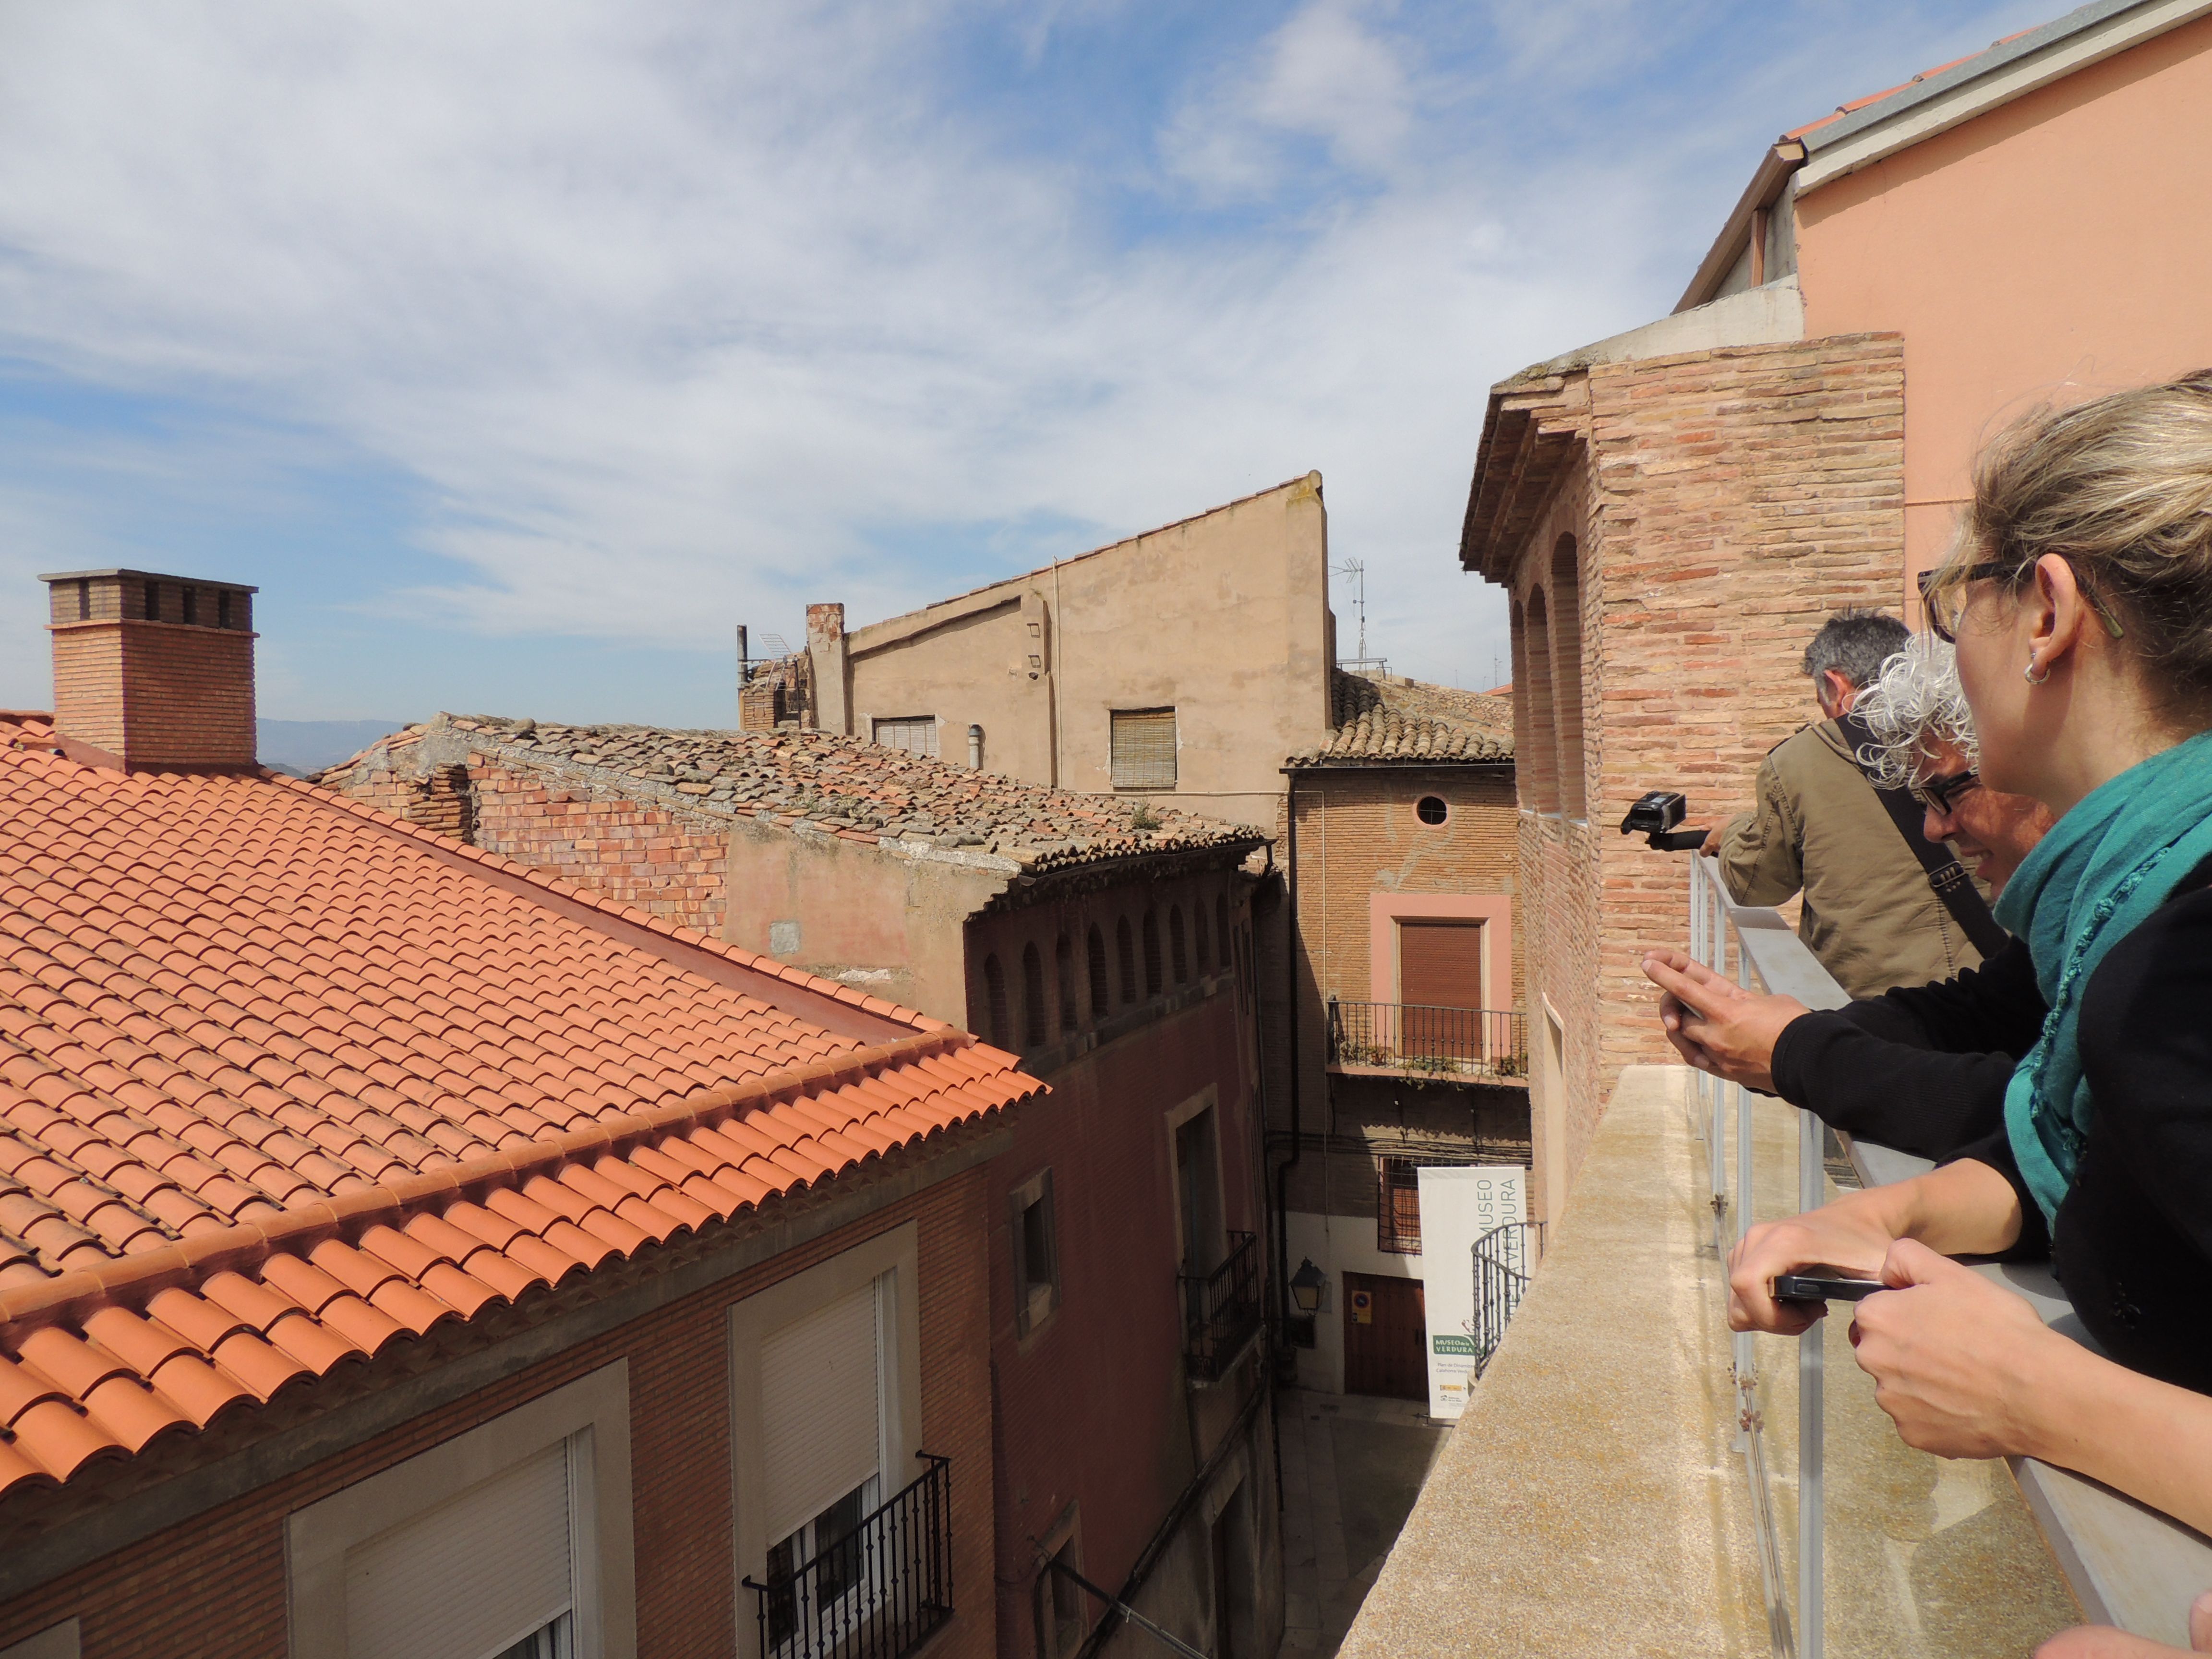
x,y
1400,1039
1221,1311
880,1591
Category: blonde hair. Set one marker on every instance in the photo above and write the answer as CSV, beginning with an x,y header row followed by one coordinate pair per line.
x,y
1913,704
2121,488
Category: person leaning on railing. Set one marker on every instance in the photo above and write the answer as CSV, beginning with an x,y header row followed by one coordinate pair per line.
x,y
2080,598
1922,1068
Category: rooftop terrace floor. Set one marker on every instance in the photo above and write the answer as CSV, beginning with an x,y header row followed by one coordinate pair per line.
x,y
1589,1500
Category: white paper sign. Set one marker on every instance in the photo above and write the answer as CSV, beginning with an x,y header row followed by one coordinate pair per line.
x,y
1459,1205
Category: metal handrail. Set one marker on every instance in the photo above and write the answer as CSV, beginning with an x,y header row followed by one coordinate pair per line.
x,y
1769,956
1504,1260
1221,1308
1417,1038
880,1591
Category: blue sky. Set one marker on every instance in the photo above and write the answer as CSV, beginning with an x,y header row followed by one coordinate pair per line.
x,y
518,351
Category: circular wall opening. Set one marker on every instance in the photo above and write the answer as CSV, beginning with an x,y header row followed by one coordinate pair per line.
x,y
1430,809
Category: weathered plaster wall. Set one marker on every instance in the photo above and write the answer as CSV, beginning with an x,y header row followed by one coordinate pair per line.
x,y
1223,617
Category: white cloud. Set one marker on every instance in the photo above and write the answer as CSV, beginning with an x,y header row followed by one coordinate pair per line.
x,y
684,312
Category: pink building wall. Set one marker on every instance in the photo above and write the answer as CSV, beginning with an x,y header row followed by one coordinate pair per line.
x,y
2053,249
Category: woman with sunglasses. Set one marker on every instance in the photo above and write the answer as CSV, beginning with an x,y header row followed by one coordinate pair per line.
x,y
2081,600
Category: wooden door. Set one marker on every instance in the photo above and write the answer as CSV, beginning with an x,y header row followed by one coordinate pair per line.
x,y
1385,1337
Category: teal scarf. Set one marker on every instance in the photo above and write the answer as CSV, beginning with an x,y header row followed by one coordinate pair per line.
x,y
2090,882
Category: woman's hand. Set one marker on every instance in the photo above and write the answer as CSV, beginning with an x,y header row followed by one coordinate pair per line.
x,y
1853,1234
1716,1024
1955,1358
2103,1642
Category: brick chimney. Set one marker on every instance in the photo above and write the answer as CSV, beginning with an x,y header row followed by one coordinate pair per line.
x,y
153,671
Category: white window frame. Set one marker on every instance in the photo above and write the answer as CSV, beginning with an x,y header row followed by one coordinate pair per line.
x,y
592,1412
896,1253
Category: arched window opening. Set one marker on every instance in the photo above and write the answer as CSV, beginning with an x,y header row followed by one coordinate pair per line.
x,y
1151,953
1128,956
1063,971
1101,991
1221,925
1198,936
1540,774
1033,1029
995,1003
1567,674
1176,959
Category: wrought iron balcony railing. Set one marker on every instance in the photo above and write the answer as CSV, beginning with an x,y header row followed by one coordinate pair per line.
x,y
877,1592
1505,1257
1221,1309
1445,1042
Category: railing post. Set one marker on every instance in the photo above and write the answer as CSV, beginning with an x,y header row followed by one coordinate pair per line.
x,y
1812,1530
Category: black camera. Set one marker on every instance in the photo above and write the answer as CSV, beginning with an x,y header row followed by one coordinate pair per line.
x,y
1655,815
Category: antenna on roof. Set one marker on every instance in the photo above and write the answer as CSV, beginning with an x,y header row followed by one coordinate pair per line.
x,y
1362,663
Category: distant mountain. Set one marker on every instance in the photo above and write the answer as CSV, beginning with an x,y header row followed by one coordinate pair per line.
x,y
303,746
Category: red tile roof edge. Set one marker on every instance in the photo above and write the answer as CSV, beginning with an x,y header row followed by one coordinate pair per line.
x,y
767,966
131,1281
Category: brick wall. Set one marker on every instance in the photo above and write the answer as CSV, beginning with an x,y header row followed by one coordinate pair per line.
x,y
1724,502
157,694
663,861
215,1586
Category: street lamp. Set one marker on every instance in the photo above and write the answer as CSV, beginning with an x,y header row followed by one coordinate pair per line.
x,y
1306,1286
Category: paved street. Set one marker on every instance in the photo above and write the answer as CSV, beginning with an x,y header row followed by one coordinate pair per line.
x,y
1351,1468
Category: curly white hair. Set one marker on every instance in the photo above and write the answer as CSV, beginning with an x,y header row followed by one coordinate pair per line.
x,y
1914,701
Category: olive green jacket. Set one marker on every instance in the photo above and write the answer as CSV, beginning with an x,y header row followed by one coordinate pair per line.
x,y
1870,914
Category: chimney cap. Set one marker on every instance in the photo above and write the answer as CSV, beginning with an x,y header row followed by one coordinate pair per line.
x,y
146,576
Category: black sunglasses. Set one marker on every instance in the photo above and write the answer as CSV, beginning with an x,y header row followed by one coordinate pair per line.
x,y
1940,795
1944,627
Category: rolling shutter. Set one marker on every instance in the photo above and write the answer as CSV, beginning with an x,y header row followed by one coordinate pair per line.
x,y
821,1411
470,1578
1440,964
916,733
1144,744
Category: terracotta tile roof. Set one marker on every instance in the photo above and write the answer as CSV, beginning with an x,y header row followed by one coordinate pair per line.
x,y
284,1080
1386,721
860,790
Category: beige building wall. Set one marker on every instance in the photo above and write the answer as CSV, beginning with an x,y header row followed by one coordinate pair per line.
x,y
1223,617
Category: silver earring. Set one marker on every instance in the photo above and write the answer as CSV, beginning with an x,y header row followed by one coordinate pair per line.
x,y
2029,674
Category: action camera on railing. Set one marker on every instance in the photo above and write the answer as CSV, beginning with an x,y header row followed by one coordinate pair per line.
x,y
1655,816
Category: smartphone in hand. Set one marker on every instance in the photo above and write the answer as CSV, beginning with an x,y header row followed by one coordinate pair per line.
x,y
1823,1285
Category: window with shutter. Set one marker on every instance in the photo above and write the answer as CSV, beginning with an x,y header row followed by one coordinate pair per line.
x,y
916,733
821,1413
1144,748
485,1573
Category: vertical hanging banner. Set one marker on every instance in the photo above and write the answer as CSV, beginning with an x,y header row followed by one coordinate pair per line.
x,y
1459,1205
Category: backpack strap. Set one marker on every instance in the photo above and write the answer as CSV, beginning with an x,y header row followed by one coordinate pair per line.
x,y
1946,875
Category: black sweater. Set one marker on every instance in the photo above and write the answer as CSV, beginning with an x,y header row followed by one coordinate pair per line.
x,y
2133,1241
1923,1068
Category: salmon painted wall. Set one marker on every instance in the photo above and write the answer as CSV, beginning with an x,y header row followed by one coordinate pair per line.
x,y
2051,250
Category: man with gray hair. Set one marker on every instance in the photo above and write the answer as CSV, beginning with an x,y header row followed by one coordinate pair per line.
x,y
1821,828
1922,1069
